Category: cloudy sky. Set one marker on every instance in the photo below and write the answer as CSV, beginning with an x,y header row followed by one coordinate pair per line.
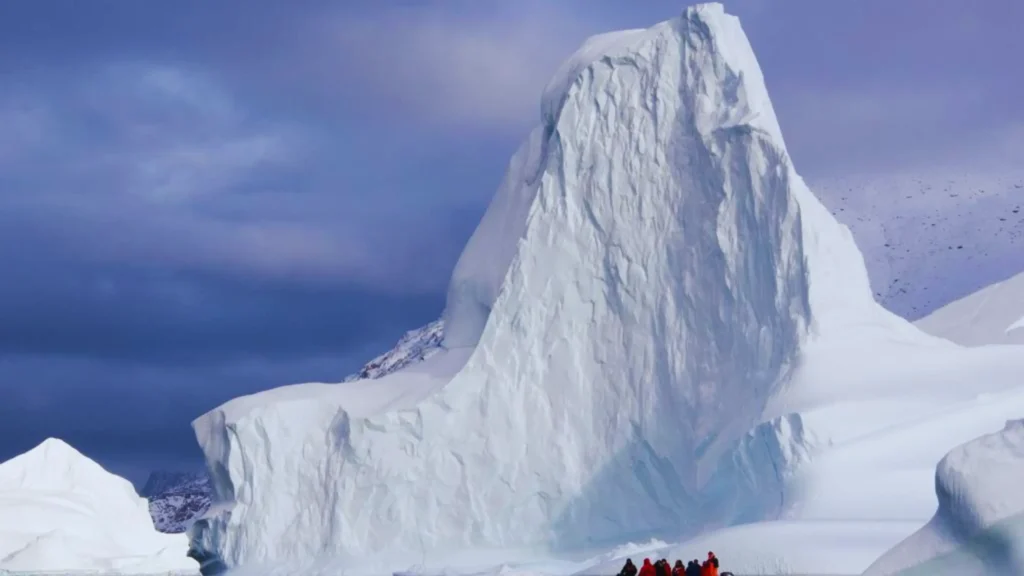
x,y
201,199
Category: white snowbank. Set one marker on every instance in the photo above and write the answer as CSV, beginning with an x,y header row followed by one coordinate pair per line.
x,y
655,332
62,512
992,315
979,526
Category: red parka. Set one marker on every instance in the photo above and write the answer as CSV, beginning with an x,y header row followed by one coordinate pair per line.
x,y
647,569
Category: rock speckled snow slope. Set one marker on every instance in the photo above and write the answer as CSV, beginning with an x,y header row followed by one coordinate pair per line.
x,y
935,237
653,331
176,499
993,315
415,346
62,512
979,526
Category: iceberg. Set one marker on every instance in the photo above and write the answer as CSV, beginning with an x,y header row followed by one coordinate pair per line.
x,y
60,512
656,332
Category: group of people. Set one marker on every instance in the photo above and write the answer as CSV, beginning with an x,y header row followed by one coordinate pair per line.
x,y
661,568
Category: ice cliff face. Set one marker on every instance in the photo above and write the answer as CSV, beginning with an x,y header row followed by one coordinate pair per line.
x,y
979,526
638,289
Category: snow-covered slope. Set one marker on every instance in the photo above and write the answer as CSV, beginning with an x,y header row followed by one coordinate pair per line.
x,y
176,499
993,315
657,330
62,512
930,238
979,526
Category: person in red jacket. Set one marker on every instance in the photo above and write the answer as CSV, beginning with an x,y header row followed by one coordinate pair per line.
x,y
647,569
679,569
710,566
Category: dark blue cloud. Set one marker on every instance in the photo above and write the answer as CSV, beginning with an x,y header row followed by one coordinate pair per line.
x,y
159,316
134,416
200,200
172,236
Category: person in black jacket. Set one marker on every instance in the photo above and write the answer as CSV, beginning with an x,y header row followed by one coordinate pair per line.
x,y
629,569
693,568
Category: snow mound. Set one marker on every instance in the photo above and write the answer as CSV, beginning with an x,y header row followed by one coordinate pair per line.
x,y
62,512
655,331
992,315
979,526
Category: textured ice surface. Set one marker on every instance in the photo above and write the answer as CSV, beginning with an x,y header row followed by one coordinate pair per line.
x,y
656,331
979,526
62,512
993,315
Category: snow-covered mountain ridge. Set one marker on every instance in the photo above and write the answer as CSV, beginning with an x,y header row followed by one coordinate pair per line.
x,y
656,331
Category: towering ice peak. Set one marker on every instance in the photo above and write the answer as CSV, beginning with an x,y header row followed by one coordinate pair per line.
x,y
749,104
695,74
640,287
